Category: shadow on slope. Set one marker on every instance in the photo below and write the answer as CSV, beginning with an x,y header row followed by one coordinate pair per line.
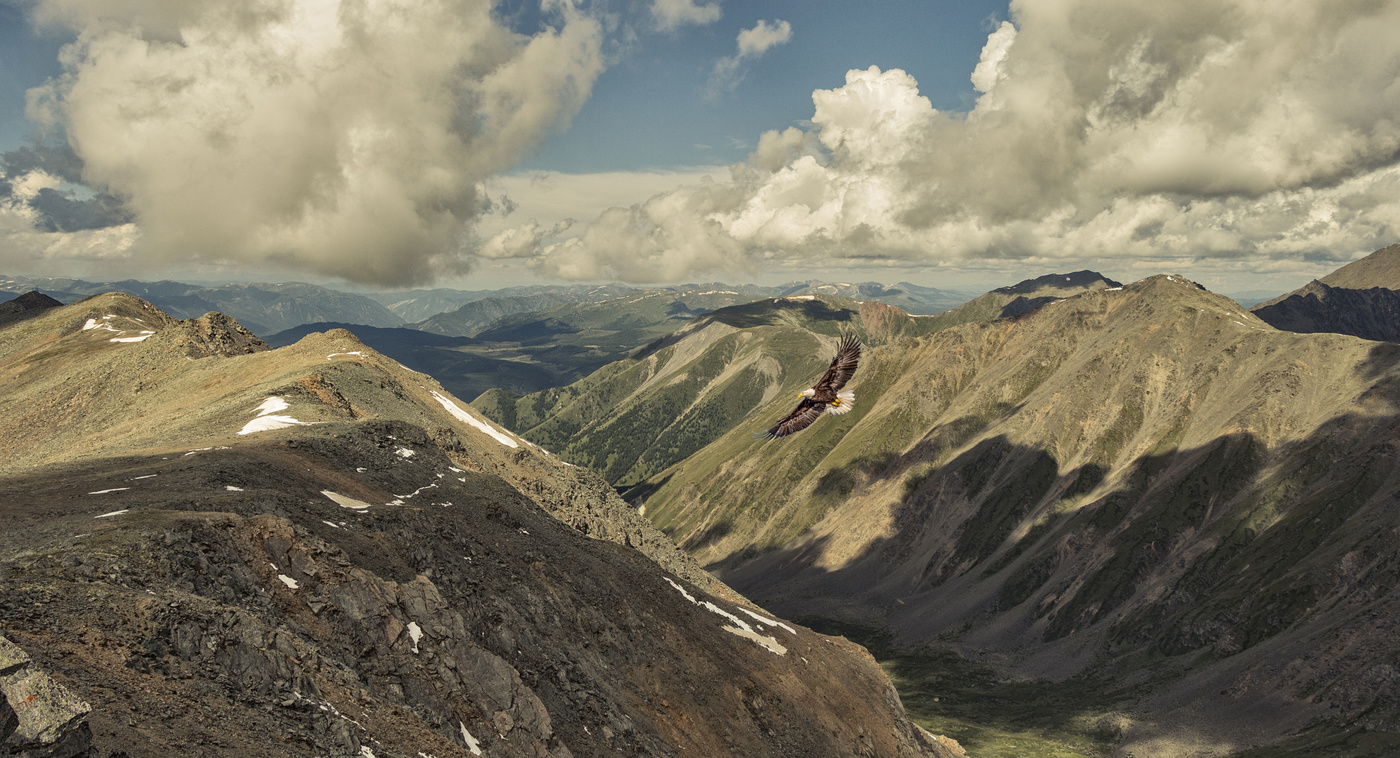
x,y
1257,570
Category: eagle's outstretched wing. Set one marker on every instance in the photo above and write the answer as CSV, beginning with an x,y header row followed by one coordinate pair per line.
x,y
823,393
801,417
843,366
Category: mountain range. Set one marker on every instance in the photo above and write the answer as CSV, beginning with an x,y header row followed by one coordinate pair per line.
x,y
1142,487
216,548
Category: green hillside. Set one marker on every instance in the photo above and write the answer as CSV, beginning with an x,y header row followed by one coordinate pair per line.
x,y
738,368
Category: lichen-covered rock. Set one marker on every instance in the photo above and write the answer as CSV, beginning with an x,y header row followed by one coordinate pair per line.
x,y
52,722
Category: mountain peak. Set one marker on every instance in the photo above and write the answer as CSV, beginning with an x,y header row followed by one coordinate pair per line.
x,y
1379,269
1075,280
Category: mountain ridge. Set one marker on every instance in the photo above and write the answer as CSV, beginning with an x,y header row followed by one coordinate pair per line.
x,y
231,550
1118,483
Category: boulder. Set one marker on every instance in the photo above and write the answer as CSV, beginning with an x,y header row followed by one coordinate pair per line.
x,y
51,722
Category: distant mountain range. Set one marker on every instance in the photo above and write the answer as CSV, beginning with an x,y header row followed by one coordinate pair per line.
x,y
217,549
262,308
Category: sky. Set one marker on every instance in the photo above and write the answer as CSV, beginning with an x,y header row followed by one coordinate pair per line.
x,y
1247,145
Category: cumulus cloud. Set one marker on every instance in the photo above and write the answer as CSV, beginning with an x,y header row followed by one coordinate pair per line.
x,y
347,138
1244,134
751,45
670,15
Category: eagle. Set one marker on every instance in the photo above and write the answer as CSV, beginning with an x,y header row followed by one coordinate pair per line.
x,y
826,396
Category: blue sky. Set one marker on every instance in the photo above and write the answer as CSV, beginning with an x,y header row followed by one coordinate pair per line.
x,y
962,144
652,108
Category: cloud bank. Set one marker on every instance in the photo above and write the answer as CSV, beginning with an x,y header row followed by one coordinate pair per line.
x,y
347,138
1243,134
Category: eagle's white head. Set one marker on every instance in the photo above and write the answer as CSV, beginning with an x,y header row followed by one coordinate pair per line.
x,y
809,392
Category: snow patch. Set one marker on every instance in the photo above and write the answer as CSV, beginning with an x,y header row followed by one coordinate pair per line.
x,y
357,352
345,502
268,423
739,627
415,633
462,415
271,405
401,498
290,582
113,513
147,476
265,422
114,489
768,621
404,452
472,743
232,488
139,338
331,524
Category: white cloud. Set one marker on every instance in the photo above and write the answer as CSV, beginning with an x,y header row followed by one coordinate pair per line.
x,y
990,67
670,15
763,37
1229,137
339,138
751,44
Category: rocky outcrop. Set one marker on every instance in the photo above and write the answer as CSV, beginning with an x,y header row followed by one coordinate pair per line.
x,y
44,719
208,335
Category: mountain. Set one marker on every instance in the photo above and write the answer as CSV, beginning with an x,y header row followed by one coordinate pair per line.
x,y
220,549
1379,269
637,416
467,367
1361,298
908,297
263,308
1021,297
1372,314
530,352
471,317
415,305
26,305
1142,488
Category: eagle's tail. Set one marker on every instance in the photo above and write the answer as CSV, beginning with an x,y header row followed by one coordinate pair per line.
x,y
845,399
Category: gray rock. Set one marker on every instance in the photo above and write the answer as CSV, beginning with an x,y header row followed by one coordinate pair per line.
x,y
52,722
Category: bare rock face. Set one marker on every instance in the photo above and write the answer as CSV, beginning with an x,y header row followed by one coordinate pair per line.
x,y
45,719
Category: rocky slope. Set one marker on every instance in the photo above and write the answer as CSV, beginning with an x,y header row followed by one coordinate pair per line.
x,y
229,550
1141,483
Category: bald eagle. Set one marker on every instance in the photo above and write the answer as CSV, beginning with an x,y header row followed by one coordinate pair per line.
x,y
826,395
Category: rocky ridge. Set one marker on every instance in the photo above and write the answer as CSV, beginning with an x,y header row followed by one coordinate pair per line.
x,y
228,550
